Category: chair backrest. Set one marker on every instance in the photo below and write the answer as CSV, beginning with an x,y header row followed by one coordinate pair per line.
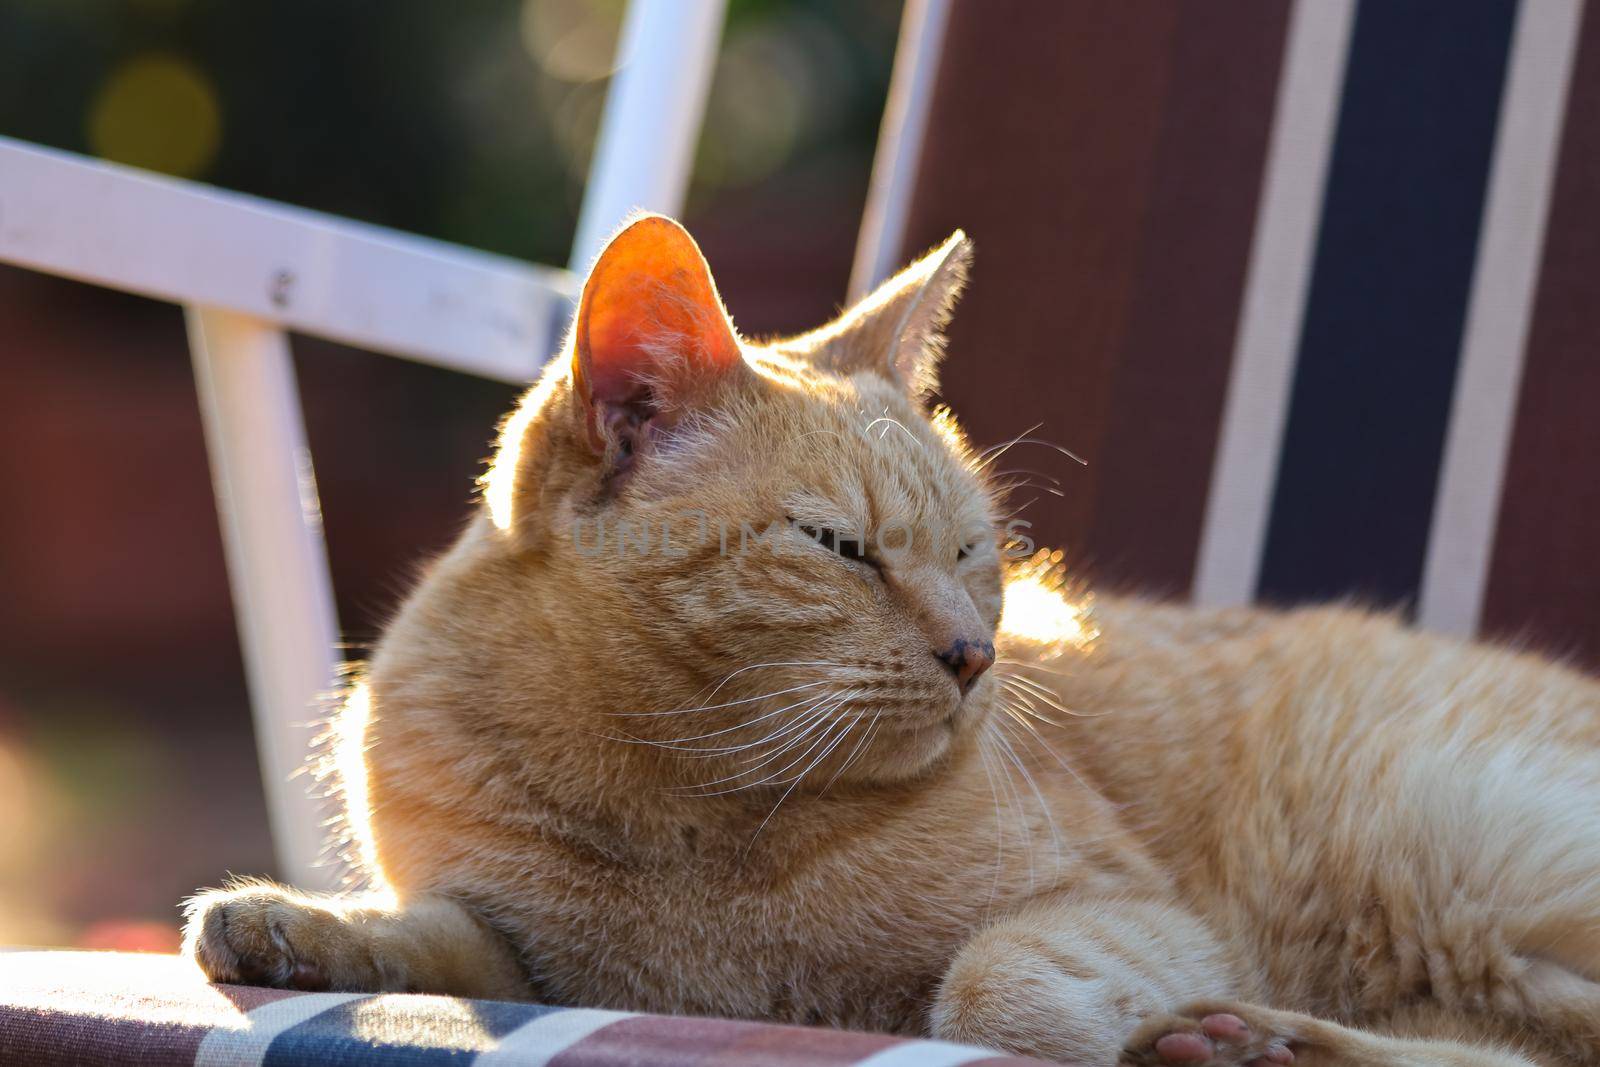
x,y
1309,285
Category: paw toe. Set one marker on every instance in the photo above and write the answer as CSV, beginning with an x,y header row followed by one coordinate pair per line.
x,y
239,939
1225,1026
1183,1048
308,977
1211,1035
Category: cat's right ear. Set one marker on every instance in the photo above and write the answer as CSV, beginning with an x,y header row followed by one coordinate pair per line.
x,y
897,330
651,337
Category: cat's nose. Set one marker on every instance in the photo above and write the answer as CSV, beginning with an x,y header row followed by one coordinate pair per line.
x,y
967,660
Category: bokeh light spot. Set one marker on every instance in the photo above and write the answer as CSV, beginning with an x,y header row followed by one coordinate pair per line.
x,y
1038,610
763,98
130,935
572,40
158,112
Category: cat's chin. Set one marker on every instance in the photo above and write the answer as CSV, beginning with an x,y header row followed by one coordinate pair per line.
x,y
908,764
920,748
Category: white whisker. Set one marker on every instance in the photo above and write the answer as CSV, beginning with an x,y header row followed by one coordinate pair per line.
x,y
1044,805
1028,472
719,707
826,706
1032,666
1028,703
1013,800
819,721
891,422
1032,686
1037,691
851,758
711,750
797,780
809,721
994,452
999,831
1042,742
774,663
1023,704
1009,445
1007,488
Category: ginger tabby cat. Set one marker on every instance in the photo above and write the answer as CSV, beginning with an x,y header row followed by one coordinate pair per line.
x,y
713,709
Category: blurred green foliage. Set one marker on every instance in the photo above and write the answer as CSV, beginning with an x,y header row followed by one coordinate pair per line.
x,y
470,121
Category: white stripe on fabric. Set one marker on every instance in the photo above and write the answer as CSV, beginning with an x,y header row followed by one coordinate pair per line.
x,y
1282,249
927,1054
1467,505
536,1042
247,1047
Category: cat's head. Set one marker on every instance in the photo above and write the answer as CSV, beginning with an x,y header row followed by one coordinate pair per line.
x,y
769,559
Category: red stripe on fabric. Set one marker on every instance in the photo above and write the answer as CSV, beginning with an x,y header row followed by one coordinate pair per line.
x,y
247,998
48,1039
113,1008
1544,580
794,1046
663,1041
1106,159
654,1041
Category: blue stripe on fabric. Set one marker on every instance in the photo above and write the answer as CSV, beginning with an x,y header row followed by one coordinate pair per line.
x,y
1388,301
340,1037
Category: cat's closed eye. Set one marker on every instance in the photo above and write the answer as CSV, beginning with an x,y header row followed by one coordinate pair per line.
x,y
847,545
972,546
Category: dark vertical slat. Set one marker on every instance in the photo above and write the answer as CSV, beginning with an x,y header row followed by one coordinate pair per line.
x,y
1040,144
1388,301
1544,581
1171,377
1106,158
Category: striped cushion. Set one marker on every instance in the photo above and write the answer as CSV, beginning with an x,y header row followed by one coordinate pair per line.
x,y
83,1008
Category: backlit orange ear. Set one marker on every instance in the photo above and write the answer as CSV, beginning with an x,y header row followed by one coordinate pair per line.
x,y
650,329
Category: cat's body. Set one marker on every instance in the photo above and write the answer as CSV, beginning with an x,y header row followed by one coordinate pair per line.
x,y
716,775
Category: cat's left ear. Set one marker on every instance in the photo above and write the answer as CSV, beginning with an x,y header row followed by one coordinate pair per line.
x,y
898,328
651,339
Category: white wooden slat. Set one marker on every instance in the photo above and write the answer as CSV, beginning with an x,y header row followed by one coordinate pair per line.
x,y
652,117
277,563
1504,285
193,244
1233,534
905,118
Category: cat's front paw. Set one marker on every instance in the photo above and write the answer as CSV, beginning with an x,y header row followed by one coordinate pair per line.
x,y
1211,1035
265,935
